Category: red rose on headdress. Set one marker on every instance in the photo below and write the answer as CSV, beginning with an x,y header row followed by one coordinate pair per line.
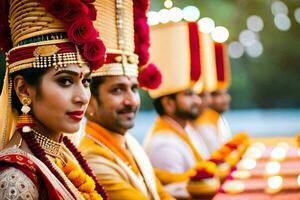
x,y
142,28
142,51
88,1
58,8
82,31
77,10
150,77
92,14
94,65
94,50
141,4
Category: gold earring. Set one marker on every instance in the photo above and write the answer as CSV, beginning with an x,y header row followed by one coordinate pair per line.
x,y
25,120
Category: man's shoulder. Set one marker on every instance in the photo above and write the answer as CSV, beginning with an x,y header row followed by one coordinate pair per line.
x,y
89,148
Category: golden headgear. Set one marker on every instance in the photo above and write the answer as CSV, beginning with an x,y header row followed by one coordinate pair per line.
x,y
125,33
45,33
175,47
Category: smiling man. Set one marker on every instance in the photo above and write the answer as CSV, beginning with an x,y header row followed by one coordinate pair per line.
x,y
114,155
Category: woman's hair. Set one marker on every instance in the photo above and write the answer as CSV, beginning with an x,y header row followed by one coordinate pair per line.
x,y
33,77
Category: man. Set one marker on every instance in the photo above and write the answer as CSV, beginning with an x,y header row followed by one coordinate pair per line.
x,y
211,124
221,103
172,145
114,155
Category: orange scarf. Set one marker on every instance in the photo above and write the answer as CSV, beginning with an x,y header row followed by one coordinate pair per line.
x,y
167,123
105,137
209,116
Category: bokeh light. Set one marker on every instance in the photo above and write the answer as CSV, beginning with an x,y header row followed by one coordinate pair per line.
x,y
191,13
164,16
153,18
176,14
247,38
255,23
206,25
220,34
235,49
255,50
282,22
278,7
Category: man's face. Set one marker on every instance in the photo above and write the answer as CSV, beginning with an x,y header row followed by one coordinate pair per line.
x,y
187,105
220,100
206,100
117,104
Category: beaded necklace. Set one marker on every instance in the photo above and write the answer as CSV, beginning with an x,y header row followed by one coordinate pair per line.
x,y
40,145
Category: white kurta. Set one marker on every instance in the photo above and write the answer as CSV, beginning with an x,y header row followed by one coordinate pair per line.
x,y
198,141
209,134
224,130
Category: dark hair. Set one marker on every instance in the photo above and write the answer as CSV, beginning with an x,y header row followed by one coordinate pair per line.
x,y
33,77
94,86
158,105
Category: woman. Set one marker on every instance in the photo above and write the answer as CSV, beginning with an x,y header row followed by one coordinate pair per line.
x,y
47,80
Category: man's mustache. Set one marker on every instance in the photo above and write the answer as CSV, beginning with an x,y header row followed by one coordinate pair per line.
x,y
127,109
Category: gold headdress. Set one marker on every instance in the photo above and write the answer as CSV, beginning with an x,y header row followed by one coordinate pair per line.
x,y
45,33
125,33
176,48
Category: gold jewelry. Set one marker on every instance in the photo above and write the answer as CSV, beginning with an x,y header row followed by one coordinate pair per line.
x,y
50,147
25,120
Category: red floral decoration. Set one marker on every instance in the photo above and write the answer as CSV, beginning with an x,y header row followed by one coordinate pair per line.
x,y
77,15
5,42
82,31
150,77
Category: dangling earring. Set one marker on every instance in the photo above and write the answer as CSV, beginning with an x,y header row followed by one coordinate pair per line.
x,y
25,120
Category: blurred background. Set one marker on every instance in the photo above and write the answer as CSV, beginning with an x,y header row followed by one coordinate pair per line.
x,y
264,48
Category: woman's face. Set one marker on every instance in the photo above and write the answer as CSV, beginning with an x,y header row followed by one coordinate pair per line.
x,y
62,99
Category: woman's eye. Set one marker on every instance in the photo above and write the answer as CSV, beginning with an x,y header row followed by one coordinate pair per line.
x,y
65,82
86,82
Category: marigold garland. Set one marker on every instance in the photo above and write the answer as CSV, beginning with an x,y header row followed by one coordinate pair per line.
x,y
81,180
84,181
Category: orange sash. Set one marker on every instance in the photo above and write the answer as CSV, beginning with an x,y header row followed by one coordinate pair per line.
x,y
105,137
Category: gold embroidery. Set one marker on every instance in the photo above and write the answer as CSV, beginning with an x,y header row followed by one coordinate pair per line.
x,y
47,50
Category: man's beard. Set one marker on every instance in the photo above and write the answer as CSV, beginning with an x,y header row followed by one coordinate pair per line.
x,y
187,114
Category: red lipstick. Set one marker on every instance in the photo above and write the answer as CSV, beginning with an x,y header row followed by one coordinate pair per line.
x,y
76,115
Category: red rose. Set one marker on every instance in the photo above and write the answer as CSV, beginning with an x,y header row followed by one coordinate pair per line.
x,y
92,14
77,10
141,31
94,65
142,51
88,1
58,8
94,50
150,77
82,31
141,4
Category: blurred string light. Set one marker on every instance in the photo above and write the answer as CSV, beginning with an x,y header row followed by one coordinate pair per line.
x,y
247,38
206,25
255,23
282,22
176,14
297,15
191,13
163,16
255,50
278,7
152,18
236,50
168,3
220,34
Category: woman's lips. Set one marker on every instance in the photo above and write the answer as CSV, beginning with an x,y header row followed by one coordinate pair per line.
x,y
76,115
